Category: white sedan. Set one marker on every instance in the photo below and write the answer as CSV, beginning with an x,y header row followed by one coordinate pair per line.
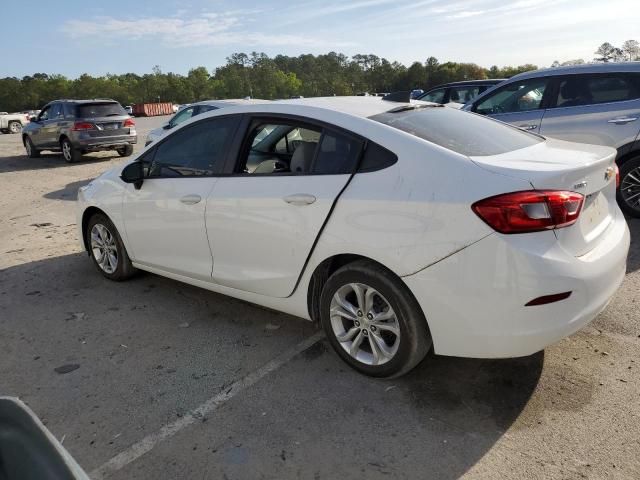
x,y
398,226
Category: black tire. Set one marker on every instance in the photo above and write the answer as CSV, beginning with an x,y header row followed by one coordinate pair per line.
x,y
69,152
125,151
630,183
15,127
32,151
123,267
414,339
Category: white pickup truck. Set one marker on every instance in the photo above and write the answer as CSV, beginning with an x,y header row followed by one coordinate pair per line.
x,y
12,123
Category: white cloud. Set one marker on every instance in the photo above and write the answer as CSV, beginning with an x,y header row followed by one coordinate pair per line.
x,y
208,29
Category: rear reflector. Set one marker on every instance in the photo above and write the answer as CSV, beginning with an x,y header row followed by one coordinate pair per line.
x,y
556,297
530,211
83,126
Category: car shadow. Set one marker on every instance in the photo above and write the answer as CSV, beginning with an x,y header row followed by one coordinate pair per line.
x,y
22,163
69,192
633,260
447,413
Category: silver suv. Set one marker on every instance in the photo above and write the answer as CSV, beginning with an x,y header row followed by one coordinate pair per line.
x,y
595,103
75,127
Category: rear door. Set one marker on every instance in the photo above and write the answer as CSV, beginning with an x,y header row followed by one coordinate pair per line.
x,y
602,109
520,103
262,221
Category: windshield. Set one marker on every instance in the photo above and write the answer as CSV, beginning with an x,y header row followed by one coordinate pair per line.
x,y
462,132
110,109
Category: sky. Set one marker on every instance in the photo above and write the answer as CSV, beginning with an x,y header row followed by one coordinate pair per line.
x,y
72,37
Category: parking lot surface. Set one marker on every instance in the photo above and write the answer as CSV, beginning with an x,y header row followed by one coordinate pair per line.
x,y
154,379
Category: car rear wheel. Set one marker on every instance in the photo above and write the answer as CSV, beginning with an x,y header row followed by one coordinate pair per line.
x,y
107,250
32,151
373,321
125,151
629,191
15,127
69,153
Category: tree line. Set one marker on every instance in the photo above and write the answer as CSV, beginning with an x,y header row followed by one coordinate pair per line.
x,y
256,75
260,76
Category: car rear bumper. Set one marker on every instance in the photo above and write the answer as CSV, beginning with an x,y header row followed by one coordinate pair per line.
x,y
86,142
474,301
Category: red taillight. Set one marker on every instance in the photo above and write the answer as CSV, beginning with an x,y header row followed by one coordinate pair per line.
x,y
83,126
530,211
617,176
129,122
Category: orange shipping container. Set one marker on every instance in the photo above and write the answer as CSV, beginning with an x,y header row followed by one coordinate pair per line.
x,y
152,109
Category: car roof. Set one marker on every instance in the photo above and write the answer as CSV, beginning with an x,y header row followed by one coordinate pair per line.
x,y
231,102
90,100
584,68
486,81
354,105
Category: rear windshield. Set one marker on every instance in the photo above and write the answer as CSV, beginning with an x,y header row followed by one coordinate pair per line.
x,y
463,132
102,109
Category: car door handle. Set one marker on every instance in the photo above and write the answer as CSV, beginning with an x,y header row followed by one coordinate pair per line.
x,y
300,199
191,199
623,120
527,127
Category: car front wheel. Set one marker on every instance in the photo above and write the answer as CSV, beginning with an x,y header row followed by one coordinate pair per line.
x,y
32,151
107,250
373,321
629,191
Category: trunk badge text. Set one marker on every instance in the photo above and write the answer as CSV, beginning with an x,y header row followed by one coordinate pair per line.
x,y
580,185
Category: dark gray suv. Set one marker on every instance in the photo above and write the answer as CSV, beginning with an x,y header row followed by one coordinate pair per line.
x,y
75,127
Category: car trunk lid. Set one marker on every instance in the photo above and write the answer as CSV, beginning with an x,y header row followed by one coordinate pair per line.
x,y
559,165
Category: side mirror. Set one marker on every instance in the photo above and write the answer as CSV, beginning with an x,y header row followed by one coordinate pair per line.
x,y
33,119
133,173
167,126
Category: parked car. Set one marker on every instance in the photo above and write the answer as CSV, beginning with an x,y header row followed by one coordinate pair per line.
x,y
459,92
12,122
595,103
192,110
397,226
129,110
75,127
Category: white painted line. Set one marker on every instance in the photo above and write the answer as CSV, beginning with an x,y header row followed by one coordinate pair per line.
x,y
145,445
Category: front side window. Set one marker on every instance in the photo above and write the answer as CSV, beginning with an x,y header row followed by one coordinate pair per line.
x,y
436,96
182,116
520,96
196,150
44,114
581,90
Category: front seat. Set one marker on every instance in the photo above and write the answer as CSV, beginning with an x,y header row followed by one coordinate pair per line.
x,y
302,157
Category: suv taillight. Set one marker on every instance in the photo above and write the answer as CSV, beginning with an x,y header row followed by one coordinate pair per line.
x,y
83,126
129,122
530,211
617,176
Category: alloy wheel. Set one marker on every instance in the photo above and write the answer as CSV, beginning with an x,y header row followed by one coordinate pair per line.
x,y
365,324
630,188
66,151
104,248
15,127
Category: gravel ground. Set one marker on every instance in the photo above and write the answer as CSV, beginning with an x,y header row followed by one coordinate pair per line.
x,y
144,354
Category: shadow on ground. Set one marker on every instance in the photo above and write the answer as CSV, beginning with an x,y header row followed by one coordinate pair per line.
x,y
46,161
151,349
69,192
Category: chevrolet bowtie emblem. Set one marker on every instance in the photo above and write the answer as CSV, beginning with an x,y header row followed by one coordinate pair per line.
x,y
609,173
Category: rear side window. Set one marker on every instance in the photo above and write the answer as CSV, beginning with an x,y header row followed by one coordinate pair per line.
x,y
100,109
376,158
577,90
461,132
463,94
337,154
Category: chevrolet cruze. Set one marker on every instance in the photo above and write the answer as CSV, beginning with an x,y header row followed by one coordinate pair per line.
x,y
399,226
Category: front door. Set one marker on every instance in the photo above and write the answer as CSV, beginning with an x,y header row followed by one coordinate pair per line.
x,y
263,221
164,219
519,103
